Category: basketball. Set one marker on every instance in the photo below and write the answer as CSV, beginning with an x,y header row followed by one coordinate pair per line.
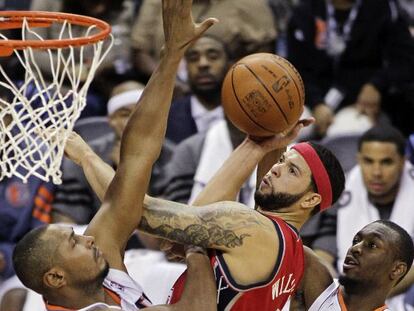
x,y
263,94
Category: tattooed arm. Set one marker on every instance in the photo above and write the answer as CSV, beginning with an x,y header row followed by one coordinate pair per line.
x,y
239,232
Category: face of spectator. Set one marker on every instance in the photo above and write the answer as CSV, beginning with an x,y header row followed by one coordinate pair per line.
x,y
381,167
119,119
207,65
370,260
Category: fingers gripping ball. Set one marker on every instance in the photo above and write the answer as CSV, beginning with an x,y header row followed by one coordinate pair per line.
x,y
263,94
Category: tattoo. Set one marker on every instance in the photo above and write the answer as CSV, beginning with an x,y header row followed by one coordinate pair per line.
x,y
200,235
217,226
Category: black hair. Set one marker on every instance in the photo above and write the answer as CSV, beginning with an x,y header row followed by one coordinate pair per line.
x,y
385,134
33,257
403,247
334,170
219,40
81,7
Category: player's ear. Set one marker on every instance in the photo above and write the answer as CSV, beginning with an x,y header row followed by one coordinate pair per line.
x,y
399,269
54,278
311,200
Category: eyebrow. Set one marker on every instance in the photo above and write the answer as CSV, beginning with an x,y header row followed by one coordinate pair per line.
x,y
372,234
295,166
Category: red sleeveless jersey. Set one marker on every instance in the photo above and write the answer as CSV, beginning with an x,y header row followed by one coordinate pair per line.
x,y
270,295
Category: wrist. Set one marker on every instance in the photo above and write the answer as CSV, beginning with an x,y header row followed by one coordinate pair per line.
x,y
192,249
88,156
171,56
253,149
195,258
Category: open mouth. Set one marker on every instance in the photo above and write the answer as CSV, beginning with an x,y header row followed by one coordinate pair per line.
x,y
350,262
266,181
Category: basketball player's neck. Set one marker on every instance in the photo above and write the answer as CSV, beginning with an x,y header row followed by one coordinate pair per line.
x,y
77,298
343,4
364,298
291,217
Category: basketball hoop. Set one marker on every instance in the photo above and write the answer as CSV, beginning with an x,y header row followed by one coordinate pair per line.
x,y
36,121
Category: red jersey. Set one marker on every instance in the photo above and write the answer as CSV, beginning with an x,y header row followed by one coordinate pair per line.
x,y
269,295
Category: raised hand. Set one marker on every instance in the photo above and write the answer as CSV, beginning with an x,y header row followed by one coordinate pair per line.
x,y
76,148
282,139
179,27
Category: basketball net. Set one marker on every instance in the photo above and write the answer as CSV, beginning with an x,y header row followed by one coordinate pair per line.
x,y
40,113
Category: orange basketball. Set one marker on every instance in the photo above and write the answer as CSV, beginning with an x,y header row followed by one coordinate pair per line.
x,y
263,94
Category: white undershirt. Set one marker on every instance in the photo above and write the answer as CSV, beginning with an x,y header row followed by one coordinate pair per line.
x,y
203,117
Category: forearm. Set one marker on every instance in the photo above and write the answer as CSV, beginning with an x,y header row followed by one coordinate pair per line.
x,y
223,225
147,125
98,173
200,287
228,181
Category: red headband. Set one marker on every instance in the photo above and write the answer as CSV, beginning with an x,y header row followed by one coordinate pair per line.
x,y
319,173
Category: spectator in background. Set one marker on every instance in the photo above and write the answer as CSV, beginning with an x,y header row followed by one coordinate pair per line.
x,y
410,148
245,27
120,106
351,52
379,187
408,10
198,158
282,11
117,65
15,4
207,62
23,206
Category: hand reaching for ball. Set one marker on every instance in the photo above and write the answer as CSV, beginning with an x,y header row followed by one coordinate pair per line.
x,y
280,140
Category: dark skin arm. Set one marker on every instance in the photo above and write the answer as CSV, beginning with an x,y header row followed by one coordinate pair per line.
x,y
315,280
142,139
200,287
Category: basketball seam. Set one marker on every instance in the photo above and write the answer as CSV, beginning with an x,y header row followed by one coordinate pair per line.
x,y
241,106
267,90
302,87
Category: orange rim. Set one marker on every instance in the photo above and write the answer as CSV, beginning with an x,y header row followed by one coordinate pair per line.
x,y
14,19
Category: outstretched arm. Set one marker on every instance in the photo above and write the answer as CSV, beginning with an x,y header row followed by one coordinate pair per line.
x,y
143,136
98,173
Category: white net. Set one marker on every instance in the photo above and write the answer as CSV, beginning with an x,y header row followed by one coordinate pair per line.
x,y
38,113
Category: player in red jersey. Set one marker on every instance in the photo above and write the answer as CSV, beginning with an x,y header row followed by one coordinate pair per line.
x,y
257,254
262,273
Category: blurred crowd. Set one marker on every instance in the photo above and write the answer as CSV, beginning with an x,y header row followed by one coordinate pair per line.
x,y
356,58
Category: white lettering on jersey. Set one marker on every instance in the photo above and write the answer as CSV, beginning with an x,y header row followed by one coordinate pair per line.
x,y
283,285
220,288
